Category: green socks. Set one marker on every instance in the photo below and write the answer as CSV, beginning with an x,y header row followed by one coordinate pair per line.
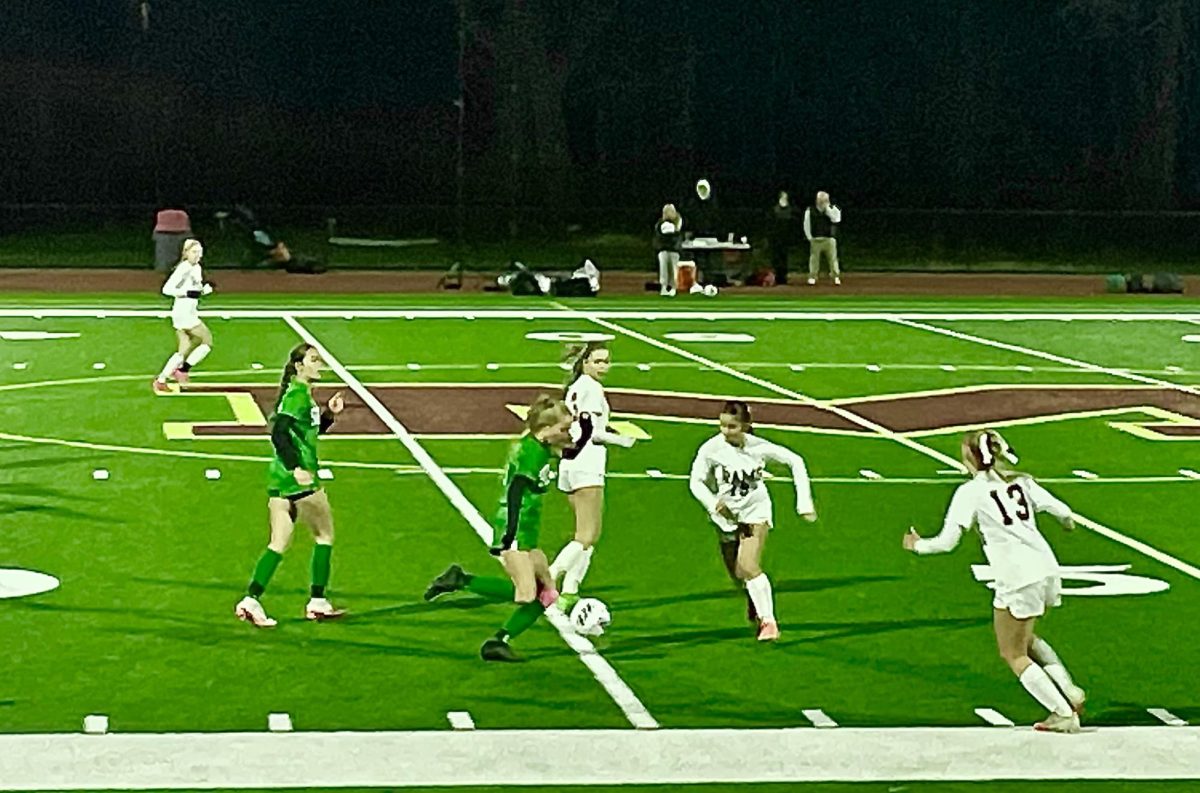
x,y
522,618
267,563
320,568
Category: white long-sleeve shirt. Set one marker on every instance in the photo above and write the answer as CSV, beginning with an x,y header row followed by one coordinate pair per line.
x,y
186,277
589,407
734,475
1005,514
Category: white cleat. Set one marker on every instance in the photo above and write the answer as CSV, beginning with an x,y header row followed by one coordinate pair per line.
x,y
1056,723
837,281
1076,696
250,610
322,609
812,281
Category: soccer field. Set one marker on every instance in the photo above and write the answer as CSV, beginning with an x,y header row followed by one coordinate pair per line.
x,y
886,663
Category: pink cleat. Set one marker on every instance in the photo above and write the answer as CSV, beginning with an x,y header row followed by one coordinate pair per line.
x,y
769,631
181,376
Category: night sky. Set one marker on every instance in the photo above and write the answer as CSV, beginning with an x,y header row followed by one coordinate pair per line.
x,y
1015,104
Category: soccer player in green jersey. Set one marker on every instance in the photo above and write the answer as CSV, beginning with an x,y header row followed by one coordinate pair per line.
x,y
516,524
292,490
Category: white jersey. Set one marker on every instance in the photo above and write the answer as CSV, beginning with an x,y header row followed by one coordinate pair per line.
x,y
734,475
589,407
1005,514
185,311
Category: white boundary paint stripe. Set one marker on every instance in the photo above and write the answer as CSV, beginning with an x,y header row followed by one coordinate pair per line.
x,y
1049,356
279,722
994,717
557,313
1166,717
561,758
884,432
819,718
95,724
460,720
620,692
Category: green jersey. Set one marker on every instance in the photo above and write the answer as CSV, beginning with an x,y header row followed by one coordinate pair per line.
x,y
297,404
528,459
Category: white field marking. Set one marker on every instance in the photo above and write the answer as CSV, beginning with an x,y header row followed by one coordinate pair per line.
x,y
616,688
98,365
867,473
874,367
569,758
241,458
1189,473
256,365
1166,717
654,473
212,473
818,718
994,717
491,367
724,338
100,474
19,365
324,474
1083,474
114,378
643,367
34,335
18,583
617,314
279,722
95,724
884,432
946,367
413,367
460,720
1049,356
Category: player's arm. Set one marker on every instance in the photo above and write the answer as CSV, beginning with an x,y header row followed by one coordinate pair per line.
x,y
174,285
1044,501
610,438
332,408
582,430
804,499
698,481
959,516
513,499
283,429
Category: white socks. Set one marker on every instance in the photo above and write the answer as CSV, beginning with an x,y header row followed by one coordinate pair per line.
x,y
173,363
574,576
1042,688
197,355
759,588
1044,654
566,558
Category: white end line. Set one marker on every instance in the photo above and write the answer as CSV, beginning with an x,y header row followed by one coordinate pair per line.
x,y
620,692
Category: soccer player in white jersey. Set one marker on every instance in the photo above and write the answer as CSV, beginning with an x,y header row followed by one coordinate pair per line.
x,y
727,478
187,286
1002,503
582,469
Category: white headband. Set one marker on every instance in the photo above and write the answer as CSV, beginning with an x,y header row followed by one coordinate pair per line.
x,y
985,452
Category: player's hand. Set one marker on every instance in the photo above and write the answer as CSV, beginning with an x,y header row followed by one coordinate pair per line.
x,y
335,404
910,539
723,510
207,289
811,517
303,478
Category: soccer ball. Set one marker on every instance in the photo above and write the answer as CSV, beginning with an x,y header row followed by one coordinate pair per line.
x,y
710,290
590,617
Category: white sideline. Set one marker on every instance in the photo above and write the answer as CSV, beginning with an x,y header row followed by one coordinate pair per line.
x,y
562,758
884,432
616,688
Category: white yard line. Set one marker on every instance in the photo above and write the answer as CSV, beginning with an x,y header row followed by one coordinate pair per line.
x,y
1166,717
561,758
620,692
994,717
884,432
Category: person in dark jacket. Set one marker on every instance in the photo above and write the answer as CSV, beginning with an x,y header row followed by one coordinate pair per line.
x,y
668,237
781,233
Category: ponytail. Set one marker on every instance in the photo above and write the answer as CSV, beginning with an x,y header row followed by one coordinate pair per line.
x,y
289,370
991,452
577,355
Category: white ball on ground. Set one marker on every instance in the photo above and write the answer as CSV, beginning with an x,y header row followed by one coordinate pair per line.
x,y
590,617
710,290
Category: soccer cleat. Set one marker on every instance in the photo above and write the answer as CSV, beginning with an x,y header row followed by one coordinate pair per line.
x,y
768,631
668,292
812,281
1056,723
566,601
322,609
250,610
452,580
180,376
1076,696
837,281
497,650
161,386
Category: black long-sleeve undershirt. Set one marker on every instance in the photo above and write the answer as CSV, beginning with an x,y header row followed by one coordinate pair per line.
x,y
283,439
513,499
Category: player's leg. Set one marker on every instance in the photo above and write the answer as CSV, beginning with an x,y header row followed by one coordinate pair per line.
x,y
814,260
727,543
182,345
201,340
576,557
522,569
1041,652
1013,635
315,512
281,520
749,567
835,269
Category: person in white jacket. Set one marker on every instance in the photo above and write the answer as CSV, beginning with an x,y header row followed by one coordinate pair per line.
x,y
581,472
1003,504
186,285
727,478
